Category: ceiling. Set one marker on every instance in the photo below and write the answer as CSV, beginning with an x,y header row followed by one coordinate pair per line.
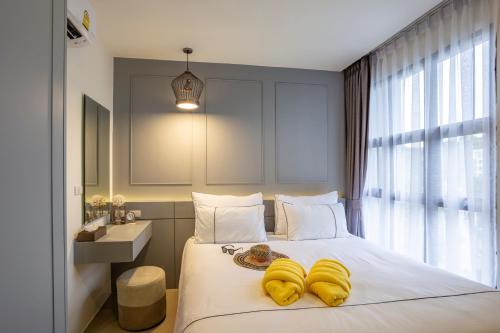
x,y
312,34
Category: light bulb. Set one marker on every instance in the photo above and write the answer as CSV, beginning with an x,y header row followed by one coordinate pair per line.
x,y
187,106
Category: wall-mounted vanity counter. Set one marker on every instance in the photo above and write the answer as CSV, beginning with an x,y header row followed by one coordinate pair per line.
x,y
122,243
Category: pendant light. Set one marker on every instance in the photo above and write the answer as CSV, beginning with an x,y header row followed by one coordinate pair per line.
x,y
187,87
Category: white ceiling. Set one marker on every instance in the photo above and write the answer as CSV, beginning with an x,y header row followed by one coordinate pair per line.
x,y
314,34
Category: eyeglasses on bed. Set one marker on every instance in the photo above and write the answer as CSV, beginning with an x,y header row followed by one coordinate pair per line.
x,y
228,249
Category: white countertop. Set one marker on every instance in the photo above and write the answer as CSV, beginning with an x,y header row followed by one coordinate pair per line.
x,y
123,232
122,243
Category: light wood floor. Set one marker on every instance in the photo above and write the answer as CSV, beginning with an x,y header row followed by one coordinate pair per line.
x,y
106,322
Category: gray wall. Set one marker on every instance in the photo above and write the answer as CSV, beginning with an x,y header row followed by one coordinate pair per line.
x,y
258,129
32,283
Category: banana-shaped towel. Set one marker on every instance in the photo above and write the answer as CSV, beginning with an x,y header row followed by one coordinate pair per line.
x,y
329,280
284,281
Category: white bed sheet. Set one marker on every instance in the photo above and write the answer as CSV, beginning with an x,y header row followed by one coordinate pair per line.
x,y
390,293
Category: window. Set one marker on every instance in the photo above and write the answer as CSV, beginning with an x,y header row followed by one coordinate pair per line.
x,y
429,189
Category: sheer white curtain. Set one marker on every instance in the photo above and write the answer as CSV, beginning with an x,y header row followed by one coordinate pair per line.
x,y
430,188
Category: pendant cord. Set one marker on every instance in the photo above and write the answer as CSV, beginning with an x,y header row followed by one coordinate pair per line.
x,y
187,61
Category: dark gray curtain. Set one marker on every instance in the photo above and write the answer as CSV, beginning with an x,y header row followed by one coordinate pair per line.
x,y
357,96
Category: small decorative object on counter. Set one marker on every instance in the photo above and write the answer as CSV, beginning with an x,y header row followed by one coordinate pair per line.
x,y
118,216
98,204
91,234
130,217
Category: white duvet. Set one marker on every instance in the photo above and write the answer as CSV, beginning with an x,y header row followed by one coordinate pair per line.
x,y
390,293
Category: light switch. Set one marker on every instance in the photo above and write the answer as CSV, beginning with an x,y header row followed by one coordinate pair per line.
x,y
77,190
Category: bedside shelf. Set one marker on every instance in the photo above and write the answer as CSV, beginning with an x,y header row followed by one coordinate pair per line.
x,y
122,243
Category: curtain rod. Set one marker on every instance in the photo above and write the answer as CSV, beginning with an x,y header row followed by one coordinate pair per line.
x,y
413,24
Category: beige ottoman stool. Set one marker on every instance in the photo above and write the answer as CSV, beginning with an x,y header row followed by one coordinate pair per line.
x,y
141,297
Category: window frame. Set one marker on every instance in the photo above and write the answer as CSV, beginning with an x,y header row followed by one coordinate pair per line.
x,y
436,134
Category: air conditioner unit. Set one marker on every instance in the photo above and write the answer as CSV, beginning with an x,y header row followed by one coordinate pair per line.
x,y
80,23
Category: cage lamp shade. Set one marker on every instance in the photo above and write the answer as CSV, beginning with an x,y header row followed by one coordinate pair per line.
x,y
187,87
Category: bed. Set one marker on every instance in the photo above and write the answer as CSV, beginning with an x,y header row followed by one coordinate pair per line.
x,y
390,293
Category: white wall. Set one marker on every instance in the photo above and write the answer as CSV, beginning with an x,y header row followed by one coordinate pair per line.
x,y
90,72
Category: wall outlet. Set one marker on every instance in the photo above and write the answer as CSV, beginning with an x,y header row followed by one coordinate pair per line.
x,y
77,190
137,212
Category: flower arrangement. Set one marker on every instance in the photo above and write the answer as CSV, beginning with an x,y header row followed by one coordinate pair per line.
x,y
97,201
118,209
118,200
98,207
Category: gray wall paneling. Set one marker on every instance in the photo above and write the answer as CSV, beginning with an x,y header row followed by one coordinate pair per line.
x,y
32,241
153,210
216,170
234,132
184,228
159,251
269,215
301,133
160,136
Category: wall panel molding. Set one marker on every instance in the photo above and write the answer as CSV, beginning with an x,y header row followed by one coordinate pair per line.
x,y
161,136
301,132
257,84
234,132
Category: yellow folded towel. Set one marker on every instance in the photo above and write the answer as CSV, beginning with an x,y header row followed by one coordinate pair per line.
x,y
284,281
329,280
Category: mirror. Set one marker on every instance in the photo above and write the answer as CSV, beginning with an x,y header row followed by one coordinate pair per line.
x,y
96,166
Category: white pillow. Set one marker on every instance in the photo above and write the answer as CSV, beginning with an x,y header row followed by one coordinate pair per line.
x,y
213,200
279,199
230,224
315,221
